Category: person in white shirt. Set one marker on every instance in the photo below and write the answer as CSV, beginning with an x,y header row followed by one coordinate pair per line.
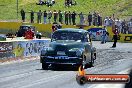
x,y
106,21
118,24
130,27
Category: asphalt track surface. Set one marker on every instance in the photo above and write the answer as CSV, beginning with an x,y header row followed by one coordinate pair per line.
x,y
28,74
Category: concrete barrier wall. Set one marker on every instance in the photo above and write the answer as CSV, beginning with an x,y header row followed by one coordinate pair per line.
x,y
16,49
14,26
6,50
46,30
125,38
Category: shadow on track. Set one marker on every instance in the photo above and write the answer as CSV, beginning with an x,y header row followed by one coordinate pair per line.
x,y
62,68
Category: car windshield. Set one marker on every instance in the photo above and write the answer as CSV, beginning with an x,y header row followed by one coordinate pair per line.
x,y
67,36
24,27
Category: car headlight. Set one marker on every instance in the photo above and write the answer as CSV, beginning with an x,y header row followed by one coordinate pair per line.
x,y
43,52
78,52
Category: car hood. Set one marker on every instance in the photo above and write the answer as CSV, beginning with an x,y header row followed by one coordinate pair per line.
x,y
64,45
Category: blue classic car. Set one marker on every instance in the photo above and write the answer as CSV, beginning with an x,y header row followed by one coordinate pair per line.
x,y
69,46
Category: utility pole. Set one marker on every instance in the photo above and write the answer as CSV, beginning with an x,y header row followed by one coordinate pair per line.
x,y
17,9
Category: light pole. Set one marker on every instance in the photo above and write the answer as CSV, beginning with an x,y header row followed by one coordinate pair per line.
x,y
17,9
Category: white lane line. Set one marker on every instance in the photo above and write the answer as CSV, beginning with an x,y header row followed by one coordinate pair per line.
x,y
110,85
44,80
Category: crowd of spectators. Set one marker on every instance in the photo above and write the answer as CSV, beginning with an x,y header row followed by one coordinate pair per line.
x,y
49,3
46,2
71,18
64,17
69,3
122,26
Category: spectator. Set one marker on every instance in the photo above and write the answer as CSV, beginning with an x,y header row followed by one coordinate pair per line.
x,y
39,14
126,29
123,30
45,17
60,16
32,16
54,27
69,16
81,16
89,19
106,21
99,20
49,3
70,2
53,1
55,15
22,15
130,27
41,2
118,24
74,18
59,26
74,3
49,16
113,17
29,34
110,21
95,19
104,36
66,17
67,2
38,35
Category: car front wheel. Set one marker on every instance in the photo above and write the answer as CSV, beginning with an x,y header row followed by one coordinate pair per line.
x,y
44,66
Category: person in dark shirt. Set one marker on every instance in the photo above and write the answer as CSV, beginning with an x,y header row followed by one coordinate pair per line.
x,y
115,38
23,15
45,17
66,18
89,19
69,15
32,17
54,26
95,19
74,18
49,16
39,14
55,15
99,20
29,34
60,16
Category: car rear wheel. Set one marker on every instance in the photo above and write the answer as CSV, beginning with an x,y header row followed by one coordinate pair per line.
x,y
44,66
92,60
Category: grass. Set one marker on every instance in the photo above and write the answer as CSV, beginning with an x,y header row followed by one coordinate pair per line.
x,y
121,8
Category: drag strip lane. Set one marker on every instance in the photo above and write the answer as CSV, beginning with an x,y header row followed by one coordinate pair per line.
x,y
28,74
